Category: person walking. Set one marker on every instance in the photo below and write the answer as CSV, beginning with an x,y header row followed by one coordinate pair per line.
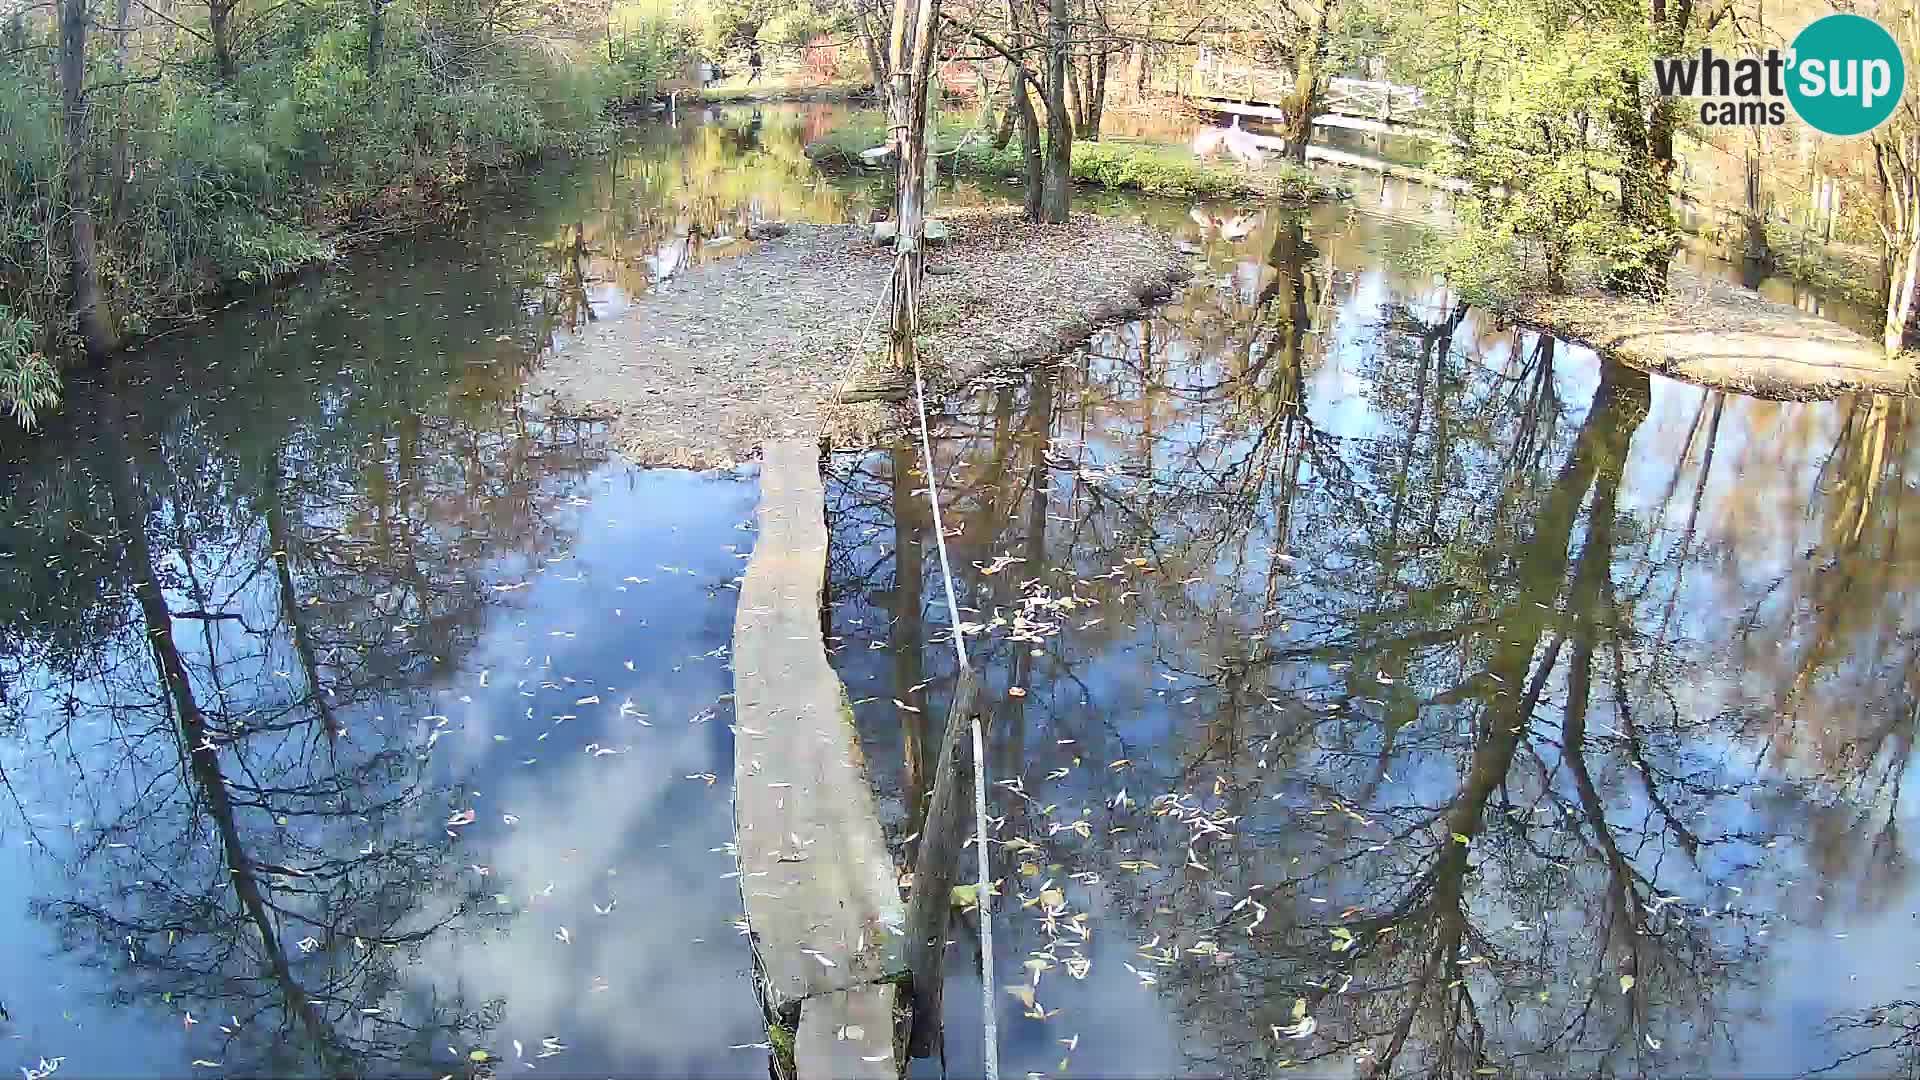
x,y
753,64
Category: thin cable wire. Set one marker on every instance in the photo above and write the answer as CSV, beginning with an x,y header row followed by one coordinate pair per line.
x,y
983,891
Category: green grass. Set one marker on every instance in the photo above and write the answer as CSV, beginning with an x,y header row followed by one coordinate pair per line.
x,y
1118,166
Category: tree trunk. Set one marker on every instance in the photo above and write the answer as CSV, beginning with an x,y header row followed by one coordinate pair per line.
x,y
1754,223
912,66
1078,97
936,861
1097,99
1003,135
120,158
218,12
90,312
876,57
1056,197
1032,163
377,34
1646,139
1900,187
1303,101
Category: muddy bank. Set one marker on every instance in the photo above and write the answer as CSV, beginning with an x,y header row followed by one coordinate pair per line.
x,y
727,354
1720,335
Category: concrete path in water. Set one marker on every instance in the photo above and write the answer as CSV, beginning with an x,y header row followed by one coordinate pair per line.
x,y
823,906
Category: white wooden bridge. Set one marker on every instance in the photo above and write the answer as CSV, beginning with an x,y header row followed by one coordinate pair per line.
x,y
1230,87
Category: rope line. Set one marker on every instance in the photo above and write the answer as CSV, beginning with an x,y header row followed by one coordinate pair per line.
x,y
983,893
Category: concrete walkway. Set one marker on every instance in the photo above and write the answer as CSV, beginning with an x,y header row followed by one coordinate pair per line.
x,y
823,907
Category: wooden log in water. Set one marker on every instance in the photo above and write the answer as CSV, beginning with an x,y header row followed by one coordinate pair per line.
x,y
936,865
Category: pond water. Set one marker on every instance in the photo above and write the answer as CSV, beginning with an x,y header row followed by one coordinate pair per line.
x,y
1404,693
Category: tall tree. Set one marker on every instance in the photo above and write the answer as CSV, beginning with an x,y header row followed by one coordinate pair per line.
x,y
910,69
1056,195
1309,82
220,31
1896,155
89,304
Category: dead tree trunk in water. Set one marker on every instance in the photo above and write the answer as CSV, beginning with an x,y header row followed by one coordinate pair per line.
x,y
936,864
89,306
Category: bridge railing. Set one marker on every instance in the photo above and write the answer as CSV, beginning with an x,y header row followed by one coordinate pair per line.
x,y
1221,77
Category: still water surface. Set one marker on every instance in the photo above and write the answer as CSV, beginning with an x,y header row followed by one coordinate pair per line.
x,y
1404,694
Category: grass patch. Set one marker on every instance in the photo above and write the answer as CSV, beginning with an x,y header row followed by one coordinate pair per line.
x,y
781,1038
1117,166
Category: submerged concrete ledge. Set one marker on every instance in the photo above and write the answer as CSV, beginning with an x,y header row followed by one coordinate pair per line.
x,y
1723,336
823,907
755,339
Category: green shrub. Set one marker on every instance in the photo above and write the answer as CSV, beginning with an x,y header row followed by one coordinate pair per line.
x,y
29,383
201,185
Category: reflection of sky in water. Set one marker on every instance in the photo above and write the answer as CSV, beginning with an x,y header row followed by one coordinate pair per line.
x,y
662,982
1784,919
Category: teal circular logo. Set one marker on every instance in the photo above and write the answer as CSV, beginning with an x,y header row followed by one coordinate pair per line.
x,y
1845,74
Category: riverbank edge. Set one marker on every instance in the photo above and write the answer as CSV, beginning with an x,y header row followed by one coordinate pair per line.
x,y
786,340
1167,178
799,95
1723,337
420,205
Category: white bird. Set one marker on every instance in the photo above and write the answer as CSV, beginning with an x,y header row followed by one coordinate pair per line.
x,y
663,263
1207,141
1239,227
1241,144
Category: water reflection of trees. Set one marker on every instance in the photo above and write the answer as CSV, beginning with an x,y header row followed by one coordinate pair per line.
x,y
227,688
1420,659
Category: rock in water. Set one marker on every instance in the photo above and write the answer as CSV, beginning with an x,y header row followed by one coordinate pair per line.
x,y
767,230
